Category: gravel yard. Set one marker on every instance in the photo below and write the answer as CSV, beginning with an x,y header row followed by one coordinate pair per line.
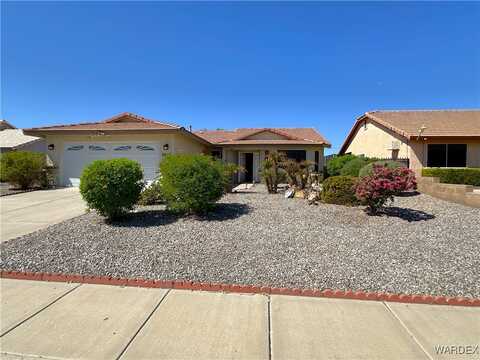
x,y
423,246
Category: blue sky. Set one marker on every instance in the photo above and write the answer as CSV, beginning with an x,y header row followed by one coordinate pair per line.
x,y
227,65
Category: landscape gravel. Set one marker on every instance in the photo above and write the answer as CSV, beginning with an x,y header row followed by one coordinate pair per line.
x,y
422,245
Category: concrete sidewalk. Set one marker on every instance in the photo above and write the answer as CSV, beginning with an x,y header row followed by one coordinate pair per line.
x,y
60,320
27,212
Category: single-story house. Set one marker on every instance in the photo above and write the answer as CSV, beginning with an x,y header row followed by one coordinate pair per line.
x,y
73,146
4,124
427,138
249,147
12,139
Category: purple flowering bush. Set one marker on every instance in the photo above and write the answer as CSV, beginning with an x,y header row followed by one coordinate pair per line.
x,y
382,185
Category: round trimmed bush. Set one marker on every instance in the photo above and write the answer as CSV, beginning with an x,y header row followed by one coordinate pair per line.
x,y
192,183
339,190
367,170
111,187
22,168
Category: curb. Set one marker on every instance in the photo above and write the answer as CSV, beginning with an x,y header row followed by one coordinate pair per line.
x,y
244,289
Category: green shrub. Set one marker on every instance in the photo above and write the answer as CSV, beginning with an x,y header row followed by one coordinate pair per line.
x,y
352,167
22,168
192,183
467,176
339,190
111,187
151,195
367,170
336,164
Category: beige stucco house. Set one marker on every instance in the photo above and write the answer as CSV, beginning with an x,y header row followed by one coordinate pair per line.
x,y
430,138
248,147
13,139
72,147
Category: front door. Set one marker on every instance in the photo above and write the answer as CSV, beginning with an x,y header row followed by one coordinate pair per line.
x,y
248,167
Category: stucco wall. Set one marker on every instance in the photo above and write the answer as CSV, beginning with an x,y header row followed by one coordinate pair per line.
x,y
266,135
178,143
373,140
418,152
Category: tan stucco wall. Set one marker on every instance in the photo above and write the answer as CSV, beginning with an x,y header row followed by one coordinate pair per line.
x,y
418,152
178,143
186,145
266,135
373,140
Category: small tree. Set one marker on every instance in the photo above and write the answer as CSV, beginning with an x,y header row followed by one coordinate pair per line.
x,y
384,183
22,168
271,171
111,187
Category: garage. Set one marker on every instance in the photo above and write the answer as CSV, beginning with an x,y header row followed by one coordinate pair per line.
x,y
77,155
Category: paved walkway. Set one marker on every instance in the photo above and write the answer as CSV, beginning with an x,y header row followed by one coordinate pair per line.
x,y
60,320
27,212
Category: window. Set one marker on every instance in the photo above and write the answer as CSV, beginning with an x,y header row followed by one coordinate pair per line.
x,y
456,155
122,148
96,148
75,148
217,154
297,155
145,148
447,155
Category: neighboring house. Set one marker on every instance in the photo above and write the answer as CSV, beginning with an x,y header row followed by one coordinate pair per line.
x,y
248,147
14,139
428,138
71,147
4,124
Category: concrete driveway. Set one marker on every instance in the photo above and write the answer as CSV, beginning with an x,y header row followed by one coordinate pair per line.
x,y
27,212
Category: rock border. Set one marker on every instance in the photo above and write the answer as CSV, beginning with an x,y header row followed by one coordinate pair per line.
x,y
244,289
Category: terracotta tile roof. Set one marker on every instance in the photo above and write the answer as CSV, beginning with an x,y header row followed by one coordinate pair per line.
x,y
435,123
241,136
124,121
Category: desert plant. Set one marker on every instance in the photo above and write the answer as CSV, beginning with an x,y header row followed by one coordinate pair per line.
x,y
22,168
335,164
368,169
192,183
375,190
271,171
229,170
151,194
339,190
111,187
467,176
297,172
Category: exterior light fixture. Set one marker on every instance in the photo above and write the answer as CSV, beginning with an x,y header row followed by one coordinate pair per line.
x,y
165,147
51,147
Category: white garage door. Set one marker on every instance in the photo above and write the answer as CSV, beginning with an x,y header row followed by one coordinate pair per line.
x,y
77,155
